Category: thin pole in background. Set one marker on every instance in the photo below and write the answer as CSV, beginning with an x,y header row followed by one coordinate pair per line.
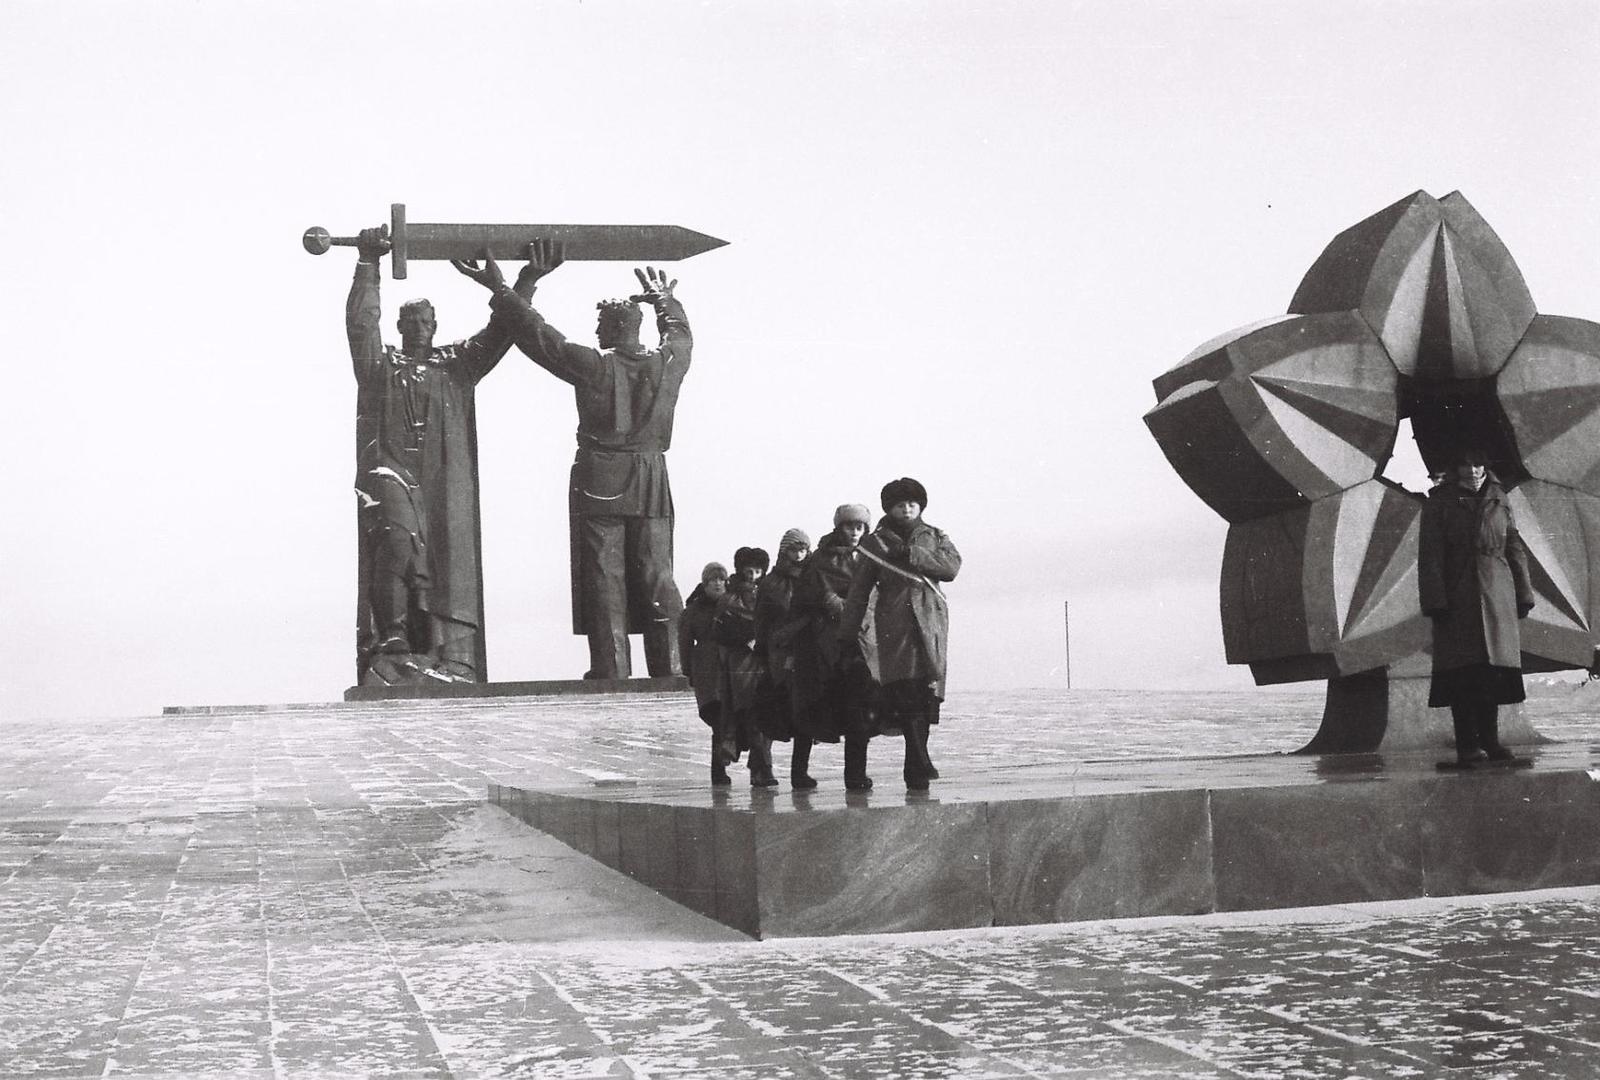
x,y
1066,615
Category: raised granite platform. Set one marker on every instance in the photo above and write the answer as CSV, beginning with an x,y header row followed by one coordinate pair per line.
x,y
1107,839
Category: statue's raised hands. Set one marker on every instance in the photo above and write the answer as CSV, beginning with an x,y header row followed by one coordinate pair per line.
x,y
488,275
544,255
372,244
655,284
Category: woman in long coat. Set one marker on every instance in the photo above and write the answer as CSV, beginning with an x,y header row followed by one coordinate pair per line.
x,y
904,560
834,681
1472,574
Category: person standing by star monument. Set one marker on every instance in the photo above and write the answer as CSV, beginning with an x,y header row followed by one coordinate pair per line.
x,y
619,501
1473,581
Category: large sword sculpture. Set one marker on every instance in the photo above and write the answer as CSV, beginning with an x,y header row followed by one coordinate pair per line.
x,y
422,240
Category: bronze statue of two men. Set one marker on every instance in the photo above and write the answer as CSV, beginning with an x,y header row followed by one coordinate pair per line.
x,y
420,610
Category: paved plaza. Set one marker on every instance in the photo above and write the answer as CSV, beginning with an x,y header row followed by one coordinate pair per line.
x,y
323,891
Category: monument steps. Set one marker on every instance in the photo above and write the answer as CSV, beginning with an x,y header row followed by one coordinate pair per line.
x,y
1102,840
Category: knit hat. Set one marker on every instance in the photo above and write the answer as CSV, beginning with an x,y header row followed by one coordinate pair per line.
x,y
751,556
713,571
904,489
852,512
792,540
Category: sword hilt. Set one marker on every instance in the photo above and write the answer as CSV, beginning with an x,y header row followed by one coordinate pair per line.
x,y
317,241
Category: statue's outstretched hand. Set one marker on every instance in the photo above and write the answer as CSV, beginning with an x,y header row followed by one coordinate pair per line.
x,y
544,255
372,244
655,284
488,275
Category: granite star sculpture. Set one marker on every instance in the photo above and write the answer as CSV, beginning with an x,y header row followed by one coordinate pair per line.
x,y
1285,427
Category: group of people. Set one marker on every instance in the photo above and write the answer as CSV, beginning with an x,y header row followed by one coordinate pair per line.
x,y
839,642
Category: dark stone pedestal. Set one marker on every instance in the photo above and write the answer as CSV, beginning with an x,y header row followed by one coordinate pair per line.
x,y
1387,710
539,688
1099,840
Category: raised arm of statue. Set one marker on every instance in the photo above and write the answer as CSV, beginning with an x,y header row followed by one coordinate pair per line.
x,y
543,343
671,322
362,311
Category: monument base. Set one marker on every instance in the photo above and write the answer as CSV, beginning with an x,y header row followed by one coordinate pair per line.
x,y
1386,710
538,688
1099,840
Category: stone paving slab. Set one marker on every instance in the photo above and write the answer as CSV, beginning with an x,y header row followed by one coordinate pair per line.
x,y
325,893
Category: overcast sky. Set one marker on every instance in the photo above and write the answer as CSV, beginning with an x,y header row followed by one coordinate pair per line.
x,y
963,238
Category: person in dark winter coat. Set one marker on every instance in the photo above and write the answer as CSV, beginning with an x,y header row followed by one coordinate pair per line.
x,y
742,669
833,681
903,562
701,665
1472,575
776,631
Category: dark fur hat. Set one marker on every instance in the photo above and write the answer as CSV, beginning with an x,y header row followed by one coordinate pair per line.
x,y
904,489
751,556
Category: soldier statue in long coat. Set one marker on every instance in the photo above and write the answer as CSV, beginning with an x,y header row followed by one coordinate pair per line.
x,y
619,503
419,611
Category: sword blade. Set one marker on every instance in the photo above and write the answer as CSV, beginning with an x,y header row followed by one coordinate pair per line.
x,y
631,243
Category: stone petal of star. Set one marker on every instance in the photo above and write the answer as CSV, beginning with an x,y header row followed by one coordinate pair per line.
x,y
1325,589
1279,413
1549,393
1433,280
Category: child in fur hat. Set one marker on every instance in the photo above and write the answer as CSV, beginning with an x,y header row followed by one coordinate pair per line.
x,y
698,650
903,562
742,668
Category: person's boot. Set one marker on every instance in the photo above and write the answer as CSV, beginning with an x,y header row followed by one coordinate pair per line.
x,y
761,763
609,655
799,764
719,767
855,764
1468,752
1489,735
927,734
915,727
661,649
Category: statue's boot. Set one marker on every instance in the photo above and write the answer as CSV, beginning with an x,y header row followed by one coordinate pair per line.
x,y
661,648
800,764
391,610
608,655
457,649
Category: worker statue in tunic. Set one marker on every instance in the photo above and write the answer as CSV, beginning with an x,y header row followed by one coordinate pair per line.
x,y
619,503
419,614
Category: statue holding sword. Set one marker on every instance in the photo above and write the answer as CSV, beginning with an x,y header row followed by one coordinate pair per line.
x,y
620,510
